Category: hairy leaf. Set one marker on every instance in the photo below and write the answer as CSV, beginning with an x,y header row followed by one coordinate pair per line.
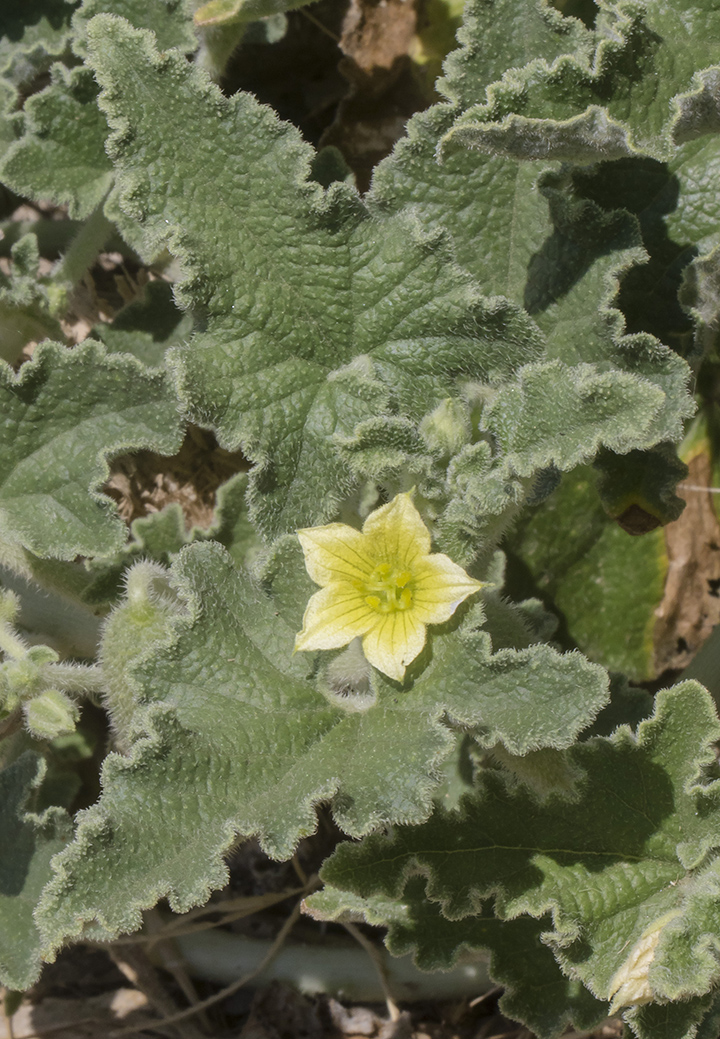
x,y
31,36
61,156
615,104
374,316
486,202
65,413
555,415
373,313
28,843
169,20
562,263
236,736
501,34
629,861
536,990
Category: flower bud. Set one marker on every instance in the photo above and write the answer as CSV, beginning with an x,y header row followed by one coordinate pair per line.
x,y
51,714
446,430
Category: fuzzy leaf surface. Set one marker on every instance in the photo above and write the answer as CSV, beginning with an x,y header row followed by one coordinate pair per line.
x,y
521,229
61,155
554,414
537,993
234,737
632,855
373,314
638,91
31,35
585,571
28,843
64,414
169,20
488,203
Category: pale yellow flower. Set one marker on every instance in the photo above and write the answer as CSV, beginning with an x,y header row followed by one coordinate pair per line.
x,y
381,584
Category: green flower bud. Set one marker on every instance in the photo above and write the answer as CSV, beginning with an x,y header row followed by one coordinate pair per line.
x,y
446,430
51,715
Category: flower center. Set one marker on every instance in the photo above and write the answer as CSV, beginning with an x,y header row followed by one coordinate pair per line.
x,y
388,589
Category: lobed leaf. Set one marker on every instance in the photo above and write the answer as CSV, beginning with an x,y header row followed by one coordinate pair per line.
x,y
638,92
31,36
64,414
28,843
374,315
61,156
631,859
171,21
234,736
536,990
563,263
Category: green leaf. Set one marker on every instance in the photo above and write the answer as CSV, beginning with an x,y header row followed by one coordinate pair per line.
x,y
24,306
159,536
236,736
31,36
606,583
536,991
556,415
61,156
65,413
170,21
563,265
644,202
689,1019
28,843
622,100
148,326
629,863
508,34
489,204
373,316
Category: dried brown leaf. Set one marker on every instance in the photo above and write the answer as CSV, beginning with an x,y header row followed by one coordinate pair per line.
x,y
690,607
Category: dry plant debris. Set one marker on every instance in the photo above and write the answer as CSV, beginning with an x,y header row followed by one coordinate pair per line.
x,y
146,482
385,89
691,603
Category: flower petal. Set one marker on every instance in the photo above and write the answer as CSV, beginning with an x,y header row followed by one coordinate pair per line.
x,y
334,616
439,586
394,642
335,552
396,533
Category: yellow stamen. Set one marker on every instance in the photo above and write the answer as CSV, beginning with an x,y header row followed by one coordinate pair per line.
x,y
367,578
